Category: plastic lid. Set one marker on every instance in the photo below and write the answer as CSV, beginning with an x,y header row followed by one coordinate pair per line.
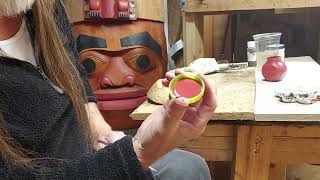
x,y
251,44
188,76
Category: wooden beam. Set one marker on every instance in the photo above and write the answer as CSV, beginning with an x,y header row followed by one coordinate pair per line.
x,y
220,130
296,131
221,143
240,162
223,5
302,145
193,25
208,36
296,157
260,153
278,171
236,5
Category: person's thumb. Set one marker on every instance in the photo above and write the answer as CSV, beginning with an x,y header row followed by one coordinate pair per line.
x,y
175,109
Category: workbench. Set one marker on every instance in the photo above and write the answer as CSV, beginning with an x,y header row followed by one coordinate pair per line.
x,y
255,131
194,11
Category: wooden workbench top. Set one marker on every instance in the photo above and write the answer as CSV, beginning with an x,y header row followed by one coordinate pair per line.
x,y
235,92
244,95
302,74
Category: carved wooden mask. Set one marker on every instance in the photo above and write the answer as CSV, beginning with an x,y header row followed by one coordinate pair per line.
x,y
122,61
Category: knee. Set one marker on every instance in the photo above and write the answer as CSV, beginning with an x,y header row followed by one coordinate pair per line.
x,y
187,166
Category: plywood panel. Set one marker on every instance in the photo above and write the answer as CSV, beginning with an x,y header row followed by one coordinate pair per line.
x,y
235,94
301,74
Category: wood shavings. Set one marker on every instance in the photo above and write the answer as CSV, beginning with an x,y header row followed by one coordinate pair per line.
x,y
203,66
301,97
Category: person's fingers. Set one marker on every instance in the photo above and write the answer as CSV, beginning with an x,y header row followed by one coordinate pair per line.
x,y
178,72
208,103
175,110
170,75
209,98
165,82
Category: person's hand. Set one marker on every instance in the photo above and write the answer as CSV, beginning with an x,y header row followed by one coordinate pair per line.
x,y
110,138
173,124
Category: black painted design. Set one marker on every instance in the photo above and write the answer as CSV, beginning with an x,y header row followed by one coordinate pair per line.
x,y
87,42
143,62
89,65
142,39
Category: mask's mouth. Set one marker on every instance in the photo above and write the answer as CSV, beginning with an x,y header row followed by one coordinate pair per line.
x,y
123,98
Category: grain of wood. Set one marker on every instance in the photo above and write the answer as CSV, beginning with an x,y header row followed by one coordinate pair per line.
x,y
296,157
278,171
193,25
235,95
219,143
296,131
217,130
208,36
234,5
302,145
241,153
260,153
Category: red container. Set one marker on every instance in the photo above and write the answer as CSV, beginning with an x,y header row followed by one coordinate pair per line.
x,y
274,69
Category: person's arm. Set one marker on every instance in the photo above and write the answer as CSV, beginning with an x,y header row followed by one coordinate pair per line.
x,y
117,161
98,125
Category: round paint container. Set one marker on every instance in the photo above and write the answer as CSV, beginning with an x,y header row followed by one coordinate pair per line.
x,y
189,86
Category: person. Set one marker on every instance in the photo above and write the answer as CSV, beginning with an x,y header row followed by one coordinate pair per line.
x,y
50,126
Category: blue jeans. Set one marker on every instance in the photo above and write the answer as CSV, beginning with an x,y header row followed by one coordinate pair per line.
x,y
181,165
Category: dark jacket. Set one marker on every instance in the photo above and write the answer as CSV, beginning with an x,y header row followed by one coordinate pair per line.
x,y
43,120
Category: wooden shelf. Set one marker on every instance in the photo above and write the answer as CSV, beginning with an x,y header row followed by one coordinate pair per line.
x,y
236,5
194,11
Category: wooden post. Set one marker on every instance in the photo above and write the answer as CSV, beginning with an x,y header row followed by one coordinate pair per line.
x,y
241,153
193,24
278,171
260,153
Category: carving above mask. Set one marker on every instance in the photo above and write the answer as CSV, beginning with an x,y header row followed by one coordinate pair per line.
x,y
110,9
81,10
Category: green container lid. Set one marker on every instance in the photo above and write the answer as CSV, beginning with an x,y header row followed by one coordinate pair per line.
x,y
191,76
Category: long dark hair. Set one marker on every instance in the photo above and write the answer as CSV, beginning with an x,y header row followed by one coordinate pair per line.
x,y
60,70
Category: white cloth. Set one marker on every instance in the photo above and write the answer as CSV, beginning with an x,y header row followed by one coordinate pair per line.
x,y
19,46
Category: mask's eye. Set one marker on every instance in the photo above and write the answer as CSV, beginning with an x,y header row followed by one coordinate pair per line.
x,y
89,65
140,63
144,62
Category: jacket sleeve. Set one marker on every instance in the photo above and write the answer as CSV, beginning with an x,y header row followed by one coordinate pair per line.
x,y
70,44
115,162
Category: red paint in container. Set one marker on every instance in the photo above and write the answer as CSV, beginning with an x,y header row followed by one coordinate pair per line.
x,y
187,88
